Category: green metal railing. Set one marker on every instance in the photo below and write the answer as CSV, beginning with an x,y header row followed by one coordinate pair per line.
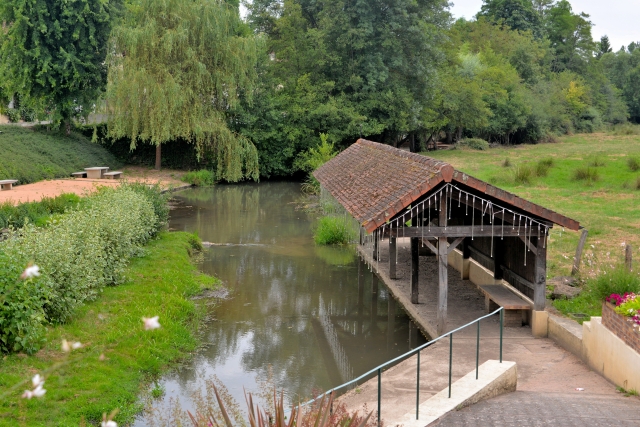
x,y
378,370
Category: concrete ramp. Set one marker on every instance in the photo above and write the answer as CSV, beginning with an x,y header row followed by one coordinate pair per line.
x,y
494,378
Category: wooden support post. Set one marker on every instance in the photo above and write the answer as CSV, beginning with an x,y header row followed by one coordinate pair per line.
x,y
540,279
361,270
628,260
466,254
498,257
576,260
413,335
443,281
393,250
375,245
415,264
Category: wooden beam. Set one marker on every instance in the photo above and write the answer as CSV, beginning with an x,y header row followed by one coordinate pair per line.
x,y
576,260
528,244
454,244
455,231
376,234
393,251
540,282
443,281
428,244
498,257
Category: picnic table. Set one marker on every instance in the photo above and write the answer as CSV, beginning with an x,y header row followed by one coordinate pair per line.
x,y
96,172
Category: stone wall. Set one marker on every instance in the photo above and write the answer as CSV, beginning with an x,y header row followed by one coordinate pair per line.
x,y
621,326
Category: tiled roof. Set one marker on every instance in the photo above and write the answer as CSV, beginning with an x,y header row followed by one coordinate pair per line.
x,y
375,181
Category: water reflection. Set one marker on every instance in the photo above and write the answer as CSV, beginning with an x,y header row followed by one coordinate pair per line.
x,y
312,316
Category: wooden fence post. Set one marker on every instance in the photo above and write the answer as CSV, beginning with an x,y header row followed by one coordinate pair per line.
x,y
628,260
576,260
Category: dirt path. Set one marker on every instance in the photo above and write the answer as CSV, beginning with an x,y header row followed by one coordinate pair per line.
x,y
81,186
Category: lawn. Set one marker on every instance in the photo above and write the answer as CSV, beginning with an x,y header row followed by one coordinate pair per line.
x,y
31,155
119,357
609,207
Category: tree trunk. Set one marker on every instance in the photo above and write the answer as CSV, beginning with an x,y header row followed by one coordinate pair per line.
x,y
158,156
67,127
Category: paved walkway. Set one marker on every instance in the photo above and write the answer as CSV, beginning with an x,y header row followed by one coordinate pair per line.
x,y
544,368
535,409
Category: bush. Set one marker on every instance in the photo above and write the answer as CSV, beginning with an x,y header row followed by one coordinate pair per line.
x,y
596,162
618,280
201,178
633,164
37,213
473,144
13,115
623,129
586,174
506,163
78,254
523,174
331,230
158,199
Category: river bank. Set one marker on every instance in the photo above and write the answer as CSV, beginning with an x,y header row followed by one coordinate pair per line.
x,y
119,359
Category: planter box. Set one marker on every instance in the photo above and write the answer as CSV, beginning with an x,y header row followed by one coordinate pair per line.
x,y
621,326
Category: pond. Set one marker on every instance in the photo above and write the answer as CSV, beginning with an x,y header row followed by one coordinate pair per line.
x,y
296,315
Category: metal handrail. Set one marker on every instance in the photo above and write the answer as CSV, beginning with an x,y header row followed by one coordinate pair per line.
x,y
417,350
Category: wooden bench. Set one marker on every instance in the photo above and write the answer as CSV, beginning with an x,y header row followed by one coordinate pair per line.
x,y
79,174
515,308
7,184
113,175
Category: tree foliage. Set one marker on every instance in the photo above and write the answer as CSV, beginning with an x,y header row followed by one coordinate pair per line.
x,y
53,52
176,68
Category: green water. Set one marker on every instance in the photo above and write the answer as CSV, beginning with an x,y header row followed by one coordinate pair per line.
x,y
296,314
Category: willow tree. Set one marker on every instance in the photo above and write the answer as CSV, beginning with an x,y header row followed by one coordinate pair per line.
x,y
176,68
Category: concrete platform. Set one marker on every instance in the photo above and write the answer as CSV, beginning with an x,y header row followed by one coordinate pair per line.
x,y
494,379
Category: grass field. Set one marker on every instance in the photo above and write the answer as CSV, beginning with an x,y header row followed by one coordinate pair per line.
x,y
608,204
81,385
30,155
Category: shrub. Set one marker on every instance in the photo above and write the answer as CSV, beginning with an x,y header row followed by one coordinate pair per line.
x,y
37,213
79,254
201,178
617,280
523,174
506,163
623,129
154,194
473,144
331,230
633,164
586,174
13,115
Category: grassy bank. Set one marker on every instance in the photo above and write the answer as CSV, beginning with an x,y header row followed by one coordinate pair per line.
x,y
30,155
84,386
606,206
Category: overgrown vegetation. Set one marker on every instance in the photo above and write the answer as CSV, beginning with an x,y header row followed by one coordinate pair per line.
x,y
587,174
79,254
332,230
312,159
473,144
37,213
201,178
30,155
86,384
633,163
616,280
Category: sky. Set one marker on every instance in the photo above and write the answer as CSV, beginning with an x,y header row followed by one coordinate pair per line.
x,y
618,19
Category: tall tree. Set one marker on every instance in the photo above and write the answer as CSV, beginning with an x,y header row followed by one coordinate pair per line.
x,y
53,52
176,68
516,14
604,46
570,37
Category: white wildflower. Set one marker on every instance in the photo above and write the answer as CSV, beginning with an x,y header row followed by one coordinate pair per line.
x,y
150,323
30,271
37,380
37,392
